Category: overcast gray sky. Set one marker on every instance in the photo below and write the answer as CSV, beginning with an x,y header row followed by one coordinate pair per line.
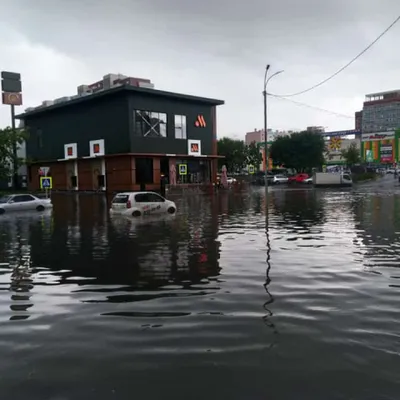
x,y
212,48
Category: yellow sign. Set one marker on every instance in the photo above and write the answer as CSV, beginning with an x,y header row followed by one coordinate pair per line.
x,y
46,182
182,168
251,169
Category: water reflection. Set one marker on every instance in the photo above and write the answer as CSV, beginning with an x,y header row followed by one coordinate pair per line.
x,y
115,305
270,299
121,254
378,222
302,209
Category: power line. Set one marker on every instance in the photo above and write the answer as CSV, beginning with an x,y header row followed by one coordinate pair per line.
x,y
312,107
347,65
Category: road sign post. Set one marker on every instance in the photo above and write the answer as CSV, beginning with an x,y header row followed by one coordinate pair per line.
x,y
46,184
251,169
11,88
182,169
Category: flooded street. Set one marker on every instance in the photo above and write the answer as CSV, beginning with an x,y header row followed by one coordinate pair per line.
x,y
207,304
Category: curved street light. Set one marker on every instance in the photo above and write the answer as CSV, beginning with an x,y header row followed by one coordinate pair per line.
x,y
266,81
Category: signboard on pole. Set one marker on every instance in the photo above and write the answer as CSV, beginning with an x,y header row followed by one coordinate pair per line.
x,y
251,169
44,171
46,183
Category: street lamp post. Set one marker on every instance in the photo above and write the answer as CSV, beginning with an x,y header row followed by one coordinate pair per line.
x,y
265,94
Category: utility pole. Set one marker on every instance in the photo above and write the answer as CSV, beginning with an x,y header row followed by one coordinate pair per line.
x,y
265,94
11,95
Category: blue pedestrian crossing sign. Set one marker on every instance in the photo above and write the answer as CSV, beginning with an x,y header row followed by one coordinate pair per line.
x,y
182,169
46,182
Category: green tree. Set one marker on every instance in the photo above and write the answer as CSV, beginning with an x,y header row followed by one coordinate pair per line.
x,y
352,155
253,155
9,137
234,152
301,151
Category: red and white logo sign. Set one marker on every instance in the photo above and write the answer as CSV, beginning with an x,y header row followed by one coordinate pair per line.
x,y
97,148
70,151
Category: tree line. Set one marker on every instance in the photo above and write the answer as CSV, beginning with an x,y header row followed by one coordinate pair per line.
x,y
238,155
301,151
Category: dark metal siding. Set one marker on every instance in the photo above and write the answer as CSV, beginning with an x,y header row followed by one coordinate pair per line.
x,y
171,107
111,118
104,118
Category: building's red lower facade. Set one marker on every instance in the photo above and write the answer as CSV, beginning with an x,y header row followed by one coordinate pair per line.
x,y
116,173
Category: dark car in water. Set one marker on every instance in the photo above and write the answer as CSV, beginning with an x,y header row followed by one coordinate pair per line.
x,y
259,178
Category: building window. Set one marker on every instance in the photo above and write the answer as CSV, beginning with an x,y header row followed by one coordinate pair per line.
x,y
180,127
150,123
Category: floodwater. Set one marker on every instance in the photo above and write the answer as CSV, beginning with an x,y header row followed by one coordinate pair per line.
x,y
208,304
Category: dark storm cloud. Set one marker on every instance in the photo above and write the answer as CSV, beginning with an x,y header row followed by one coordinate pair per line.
x,y
286,29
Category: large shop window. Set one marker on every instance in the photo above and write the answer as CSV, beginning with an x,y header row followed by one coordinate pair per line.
x,y
180,127
144,170
198,171
150,123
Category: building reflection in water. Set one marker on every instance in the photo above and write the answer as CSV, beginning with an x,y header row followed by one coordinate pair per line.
x,y
102,254
15,252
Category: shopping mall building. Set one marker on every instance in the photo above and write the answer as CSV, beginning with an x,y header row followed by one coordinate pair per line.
x,y
122,137
379,121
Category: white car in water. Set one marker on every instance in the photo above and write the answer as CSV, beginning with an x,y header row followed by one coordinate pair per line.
x,y
23,202
280,179
137,204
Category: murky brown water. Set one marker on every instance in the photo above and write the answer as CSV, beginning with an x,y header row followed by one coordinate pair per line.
x,y
205,305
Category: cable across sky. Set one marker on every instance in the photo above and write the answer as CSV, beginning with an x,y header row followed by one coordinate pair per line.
x,y
345,66
298,103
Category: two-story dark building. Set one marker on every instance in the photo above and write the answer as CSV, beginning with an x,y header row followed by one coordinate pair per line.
x,y
124,138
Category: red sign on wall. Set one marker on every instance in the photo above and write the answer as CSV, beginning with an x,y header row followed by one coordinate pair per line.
x,y
70,151
194,148
96,148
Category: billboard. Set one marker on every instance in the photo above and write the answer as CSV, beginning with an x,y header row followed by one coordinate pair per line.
x,y
387,153
374,137
341,133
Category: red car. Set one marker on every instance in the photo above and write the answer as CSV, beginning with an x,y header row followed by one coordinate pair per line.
x,y
299,178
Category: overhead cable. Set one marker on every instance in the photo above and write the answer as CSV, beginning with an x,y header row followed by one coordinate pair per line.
x,y
347,65
312,107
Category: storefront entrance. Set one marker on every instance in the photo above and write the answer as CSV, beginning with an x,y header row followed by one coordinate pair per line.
x,y
197,171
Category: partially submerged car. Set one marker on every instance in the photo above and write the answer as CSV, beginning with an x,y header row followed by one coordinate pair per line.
x,y
23,202
137,204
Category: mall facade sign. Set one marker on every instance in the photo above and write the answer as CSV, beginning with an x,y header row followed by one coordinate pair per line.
x,y
373,137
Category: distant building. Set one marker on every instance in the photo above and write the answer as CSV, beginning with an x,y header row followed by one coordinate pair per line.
x,y
380,120
315,129
109,81
257,136
381,112
358,120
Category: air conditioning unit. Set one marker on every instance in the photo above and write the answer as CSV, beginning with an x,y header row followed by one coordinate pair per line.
x,y
146,85
61,99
